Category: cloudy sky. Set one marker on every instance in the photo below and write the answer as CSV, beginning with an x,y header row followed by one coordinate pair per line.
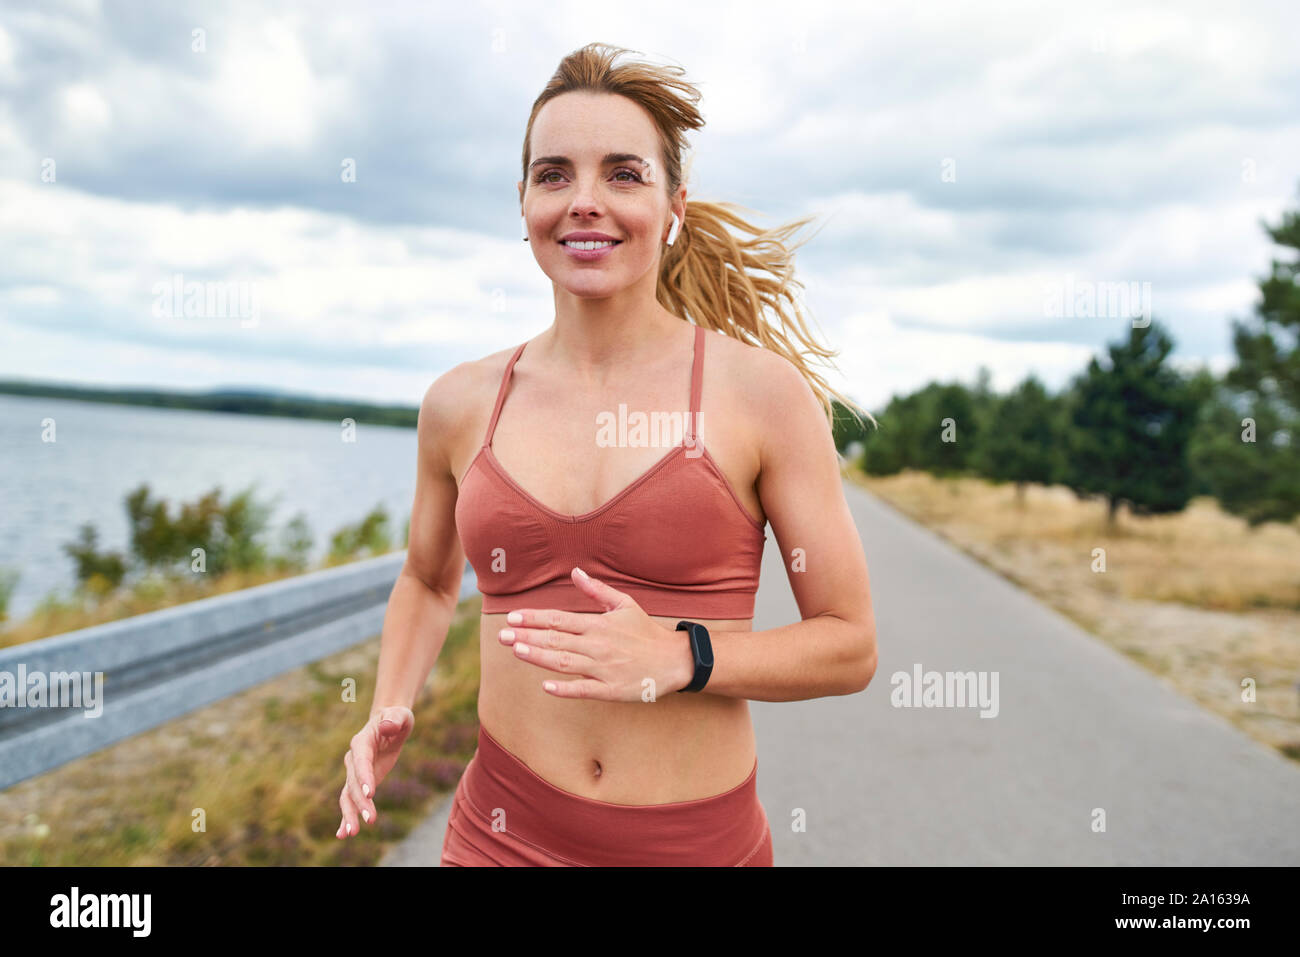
x,y
970,164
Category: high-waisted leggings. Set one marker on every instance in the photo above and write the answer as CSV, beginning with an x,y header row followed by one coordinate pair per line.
x,y
504,814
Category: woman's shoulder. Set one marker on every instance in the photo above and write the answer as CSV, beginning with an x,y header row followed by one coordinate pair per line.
x,y
771,396
759,374
760,395
455,397
481,373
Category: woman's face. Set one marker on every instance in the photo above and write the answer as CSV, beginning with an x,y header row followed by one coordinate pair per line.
x,y
586,175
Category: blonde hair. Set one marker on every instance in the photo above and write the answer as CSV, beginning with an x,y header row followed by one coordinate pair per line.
x,y
708,276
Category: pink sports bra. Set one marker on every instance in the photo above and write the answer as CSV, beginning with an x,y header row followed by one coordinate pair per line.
x,y
678,539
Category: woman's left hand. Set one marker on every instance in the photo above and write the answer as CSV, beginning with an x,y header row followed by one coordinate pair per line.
x,y
620,654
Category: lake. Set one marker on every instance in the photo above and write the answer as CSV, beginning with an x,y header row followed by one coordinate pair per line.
x,y
101,452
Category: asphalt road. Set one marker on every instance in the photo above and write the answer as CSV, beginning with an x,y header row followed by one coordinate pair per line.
x,y
1081,732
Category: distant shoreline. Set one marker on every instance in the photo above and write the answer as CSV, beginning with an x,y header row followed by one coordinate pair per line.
x,y
238,401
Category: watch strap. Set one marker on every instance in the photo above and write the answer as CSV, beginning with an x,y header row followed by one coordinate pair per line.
x,y
701,650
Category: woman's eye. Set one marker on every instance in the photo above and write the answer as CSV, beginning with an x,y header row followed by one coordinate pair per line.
x,y
544,177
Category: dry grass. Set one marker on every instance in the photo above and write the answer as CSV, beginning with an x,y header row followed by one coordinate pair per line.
x,y
1200,556
265,766
1198,597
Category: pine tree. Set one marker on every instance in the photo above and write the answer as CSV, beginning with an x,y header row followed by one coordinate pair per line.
x,y
1130,422
1247,446
951,428
1023,441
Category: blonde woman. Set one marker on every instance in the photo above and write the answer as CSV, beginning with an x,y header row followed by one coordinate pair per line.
x,y
618,572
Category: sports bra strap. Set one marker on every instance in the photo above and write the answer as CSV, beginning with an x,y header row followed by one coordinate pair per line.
x,y
501,394
697,383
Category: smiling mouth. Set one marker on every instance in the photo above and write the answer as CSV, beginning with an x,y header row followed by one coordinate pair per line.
x,y
590,244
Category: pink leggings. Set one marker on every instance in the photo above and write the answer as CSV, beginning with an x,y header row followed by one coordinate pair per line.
x,y
504,814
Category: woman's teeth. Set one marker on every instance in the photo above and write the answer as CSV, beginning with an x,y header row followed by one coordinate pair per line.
x,y
590,245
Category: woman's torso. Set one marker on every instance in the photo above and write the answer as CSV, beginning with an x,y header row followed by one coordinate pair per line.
x,y
681,746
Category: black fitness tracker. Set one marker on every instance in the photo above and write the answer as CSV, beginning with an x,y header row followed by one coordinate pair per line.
x,y
702,649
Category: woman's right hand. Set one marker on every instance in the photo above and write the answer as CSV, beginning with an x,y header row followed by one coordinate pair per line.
x,y
372,755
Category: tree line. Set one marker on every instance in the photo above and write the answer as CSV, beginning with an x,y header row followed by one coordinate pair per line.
x,y
1129,427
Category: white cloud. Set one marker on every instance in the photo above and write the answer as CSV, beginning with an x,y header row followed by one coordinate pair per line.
x,y
7,74
85,109
322,280
264,90
880,359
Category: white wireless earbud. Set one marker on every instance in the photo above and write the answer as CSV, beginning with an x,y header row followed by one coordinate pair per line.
x,y
523,222
672,232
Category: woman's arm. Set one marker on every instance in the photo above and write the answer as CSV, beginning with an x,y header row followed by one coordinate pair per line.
x,y
419,612
832,651
424,598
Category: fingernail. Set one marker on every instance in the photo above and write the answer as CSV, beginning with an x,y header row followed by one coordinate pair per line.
x,y
365,789
583,574
365,816
507,633
515,618
521,647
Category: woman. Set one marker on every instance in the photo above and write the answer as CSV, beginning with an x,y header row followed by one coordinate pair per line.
x,y
605,738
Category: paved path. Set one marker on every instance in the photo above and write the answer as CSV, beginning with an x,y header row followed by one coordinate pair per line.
x,y
1079,727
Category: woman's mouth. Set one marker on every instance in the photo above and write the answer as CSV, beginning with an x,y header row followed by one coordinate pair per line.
x,y
588,250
